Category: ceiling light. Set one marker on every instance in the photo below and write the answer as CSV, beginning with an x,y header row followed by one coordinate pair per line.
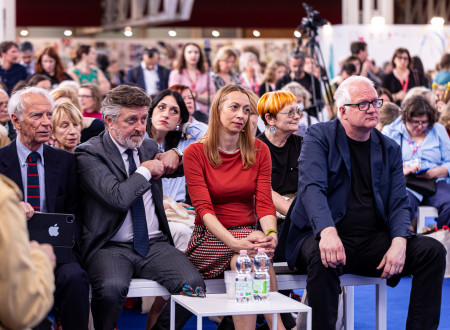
x,y
24,32
67,33
172,33
437,21
215,33
297,34
378,20
256,33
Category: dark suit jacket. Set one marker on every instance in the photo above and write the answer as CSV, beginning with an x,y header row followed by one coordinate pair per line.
x,y
136,76
324,186
60,176
107,193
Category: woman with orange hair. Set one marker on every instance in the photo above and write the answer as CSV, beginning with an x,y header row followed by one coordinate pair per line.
x,y
228,178
49,63
280,113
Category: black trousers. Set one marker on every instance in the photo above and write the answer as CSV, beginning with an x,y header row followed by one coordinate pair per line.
x,y
112,267
425,261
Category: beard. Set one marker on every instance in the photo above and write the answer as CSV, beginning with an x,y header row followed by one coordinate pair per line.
x,y
126,141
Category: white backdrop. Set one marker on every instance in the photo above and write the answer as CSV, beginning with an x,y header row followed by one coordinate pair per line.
x,y
425,41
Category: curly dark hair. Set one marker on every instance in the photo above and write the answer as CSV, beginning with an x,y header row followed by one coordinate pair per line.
x,y
172,138
417,106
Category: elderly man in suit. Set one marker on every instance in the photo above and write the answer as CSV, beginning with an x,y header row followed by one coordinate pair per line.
x,y
351,214
47,178
149,75
125,230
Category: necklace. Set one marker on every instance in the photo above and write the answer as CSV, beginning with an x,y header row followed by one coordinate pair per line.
x,y
228,152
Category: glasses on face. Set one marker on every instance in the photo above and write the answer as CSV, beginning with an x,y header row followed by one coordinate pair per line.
x,y
417,123
365,105
291,113
404,58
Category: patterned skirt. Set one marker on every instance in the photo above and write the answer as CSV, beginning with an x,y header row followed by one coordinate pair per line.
x,y
209,254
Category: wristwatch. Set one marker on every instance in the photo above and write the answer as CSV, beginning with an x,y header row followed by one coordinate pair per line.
x,y
179,153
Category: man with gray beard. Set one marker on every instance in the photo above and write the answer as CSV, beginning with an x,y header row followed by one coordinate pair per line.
x,y
125,231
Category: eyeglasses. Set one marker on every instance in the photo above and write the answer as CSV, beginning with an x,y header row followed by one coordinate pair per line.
x,y
365,105
188,291
404,58
417,123
291,113
84,96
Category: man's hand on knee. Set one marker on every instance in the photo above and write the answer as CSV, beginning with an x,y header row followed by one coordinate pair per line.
x,y
332,250
394,259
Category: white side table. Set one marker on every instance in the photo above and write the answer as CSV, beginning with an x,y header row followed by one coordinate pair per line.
x,y
219,305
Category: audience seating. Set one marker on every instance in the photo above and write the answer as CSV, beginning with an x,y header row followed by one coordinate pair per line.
x,y
286,281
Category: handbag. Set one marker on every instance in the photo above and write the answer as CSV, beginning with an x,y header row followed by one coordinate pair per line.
x,y
443,236
425,187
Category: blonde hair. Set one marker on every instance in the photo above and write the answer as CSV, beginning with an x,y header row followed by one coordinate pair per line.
x,y
68,109
298,90
211,139
274,102
66,92
269,74
222,55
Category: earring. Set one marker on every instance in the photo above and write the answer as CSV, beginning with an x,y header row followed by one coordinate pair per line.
x,y
272,129
177,128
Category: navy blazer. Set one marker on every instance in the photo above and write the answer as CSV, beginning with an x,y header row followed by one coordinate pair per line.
x,y
107,193
136,76
60,176
324,186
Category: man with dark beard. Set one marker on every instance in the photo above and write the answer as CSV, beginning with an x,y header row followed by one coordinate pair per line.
x,y
125,230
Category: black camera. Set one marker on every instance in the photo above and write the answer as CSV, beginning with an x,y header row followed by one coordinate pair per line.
x,y
312,21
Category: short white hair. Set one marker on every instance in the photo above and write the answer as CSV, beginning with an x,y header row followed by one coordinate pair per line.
x,y
245,58
15,104
2,91
342,94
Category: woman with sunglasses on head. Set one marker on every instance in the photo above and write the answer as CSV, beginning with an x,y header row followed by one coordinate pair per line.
x,y
280,113
425,147
403,77
228,178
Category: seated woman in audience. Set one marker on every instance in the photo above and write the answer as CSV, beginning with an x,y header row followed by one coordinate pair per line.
x,y
168,126
189,100
388,113
91,126
303,102
280,113
250,72
254,115
39,80
49,63
228,177
67,126
223,68
403,77
91,101
274,71
85,70
191,72
425,145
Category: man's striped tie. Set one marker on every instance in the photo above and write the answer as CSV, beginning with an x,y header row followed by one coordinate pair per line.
x,y
33,194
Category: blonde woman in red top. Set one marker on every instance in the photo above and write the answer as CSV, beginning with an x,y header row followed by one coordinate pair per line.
x,y
228,177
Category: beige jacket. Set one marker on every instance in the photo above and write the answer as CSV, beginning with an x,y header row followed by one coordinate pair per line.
x,y
26,276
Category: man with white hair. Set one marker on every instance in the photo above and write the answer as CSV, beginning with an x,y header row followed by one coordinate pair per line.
x,y
125,229
351,214
47,178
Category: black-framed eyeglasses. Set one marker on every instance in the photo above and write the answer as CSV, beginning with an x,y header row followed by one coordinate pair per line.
x,y
291,113
417,123
364,105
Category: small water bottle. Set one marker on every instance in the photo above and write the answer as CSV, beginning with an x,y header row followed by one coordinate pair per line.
x,y
243,284
261,277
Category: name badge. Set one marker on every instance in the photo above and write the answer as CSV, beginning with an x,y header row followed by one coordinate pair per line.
x,y
412,162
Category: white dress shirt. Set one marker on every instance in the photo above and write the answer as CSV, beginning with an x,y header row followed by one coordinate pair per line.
x,y
125,232
151,79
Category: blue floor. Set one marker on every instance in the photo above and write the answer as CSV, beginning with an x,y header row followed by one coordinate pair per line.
x,y
397,309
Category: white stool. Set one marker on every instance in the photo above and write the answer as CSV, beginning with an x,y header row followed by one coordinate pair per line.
x,y
422,213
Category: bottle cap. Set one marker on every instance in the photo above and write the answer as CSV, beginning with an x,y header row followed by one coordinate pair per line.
x,y
243,252
261,250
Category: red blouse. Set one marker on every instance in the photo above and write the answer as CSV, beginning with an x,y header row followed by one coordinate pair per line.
x,y
229,192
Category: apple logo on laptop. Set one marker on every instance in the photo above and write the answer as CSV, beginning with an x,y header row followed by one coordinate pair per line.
x,y
53,230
